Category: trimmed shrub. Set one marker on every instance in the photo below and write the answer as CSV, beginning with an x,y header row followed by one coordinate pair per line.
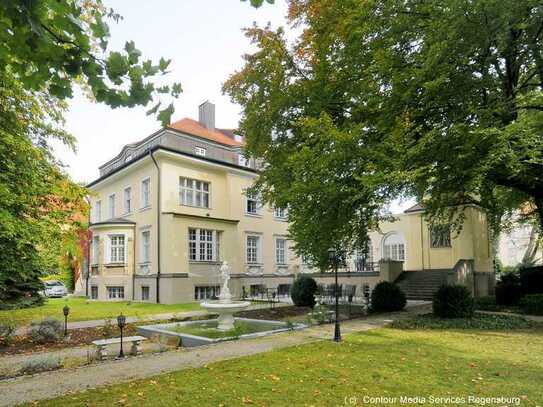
x,y
48,330
532,304
508,293
486,303
511,277
387,297
41,364
303,291
531,280
7,330
453,301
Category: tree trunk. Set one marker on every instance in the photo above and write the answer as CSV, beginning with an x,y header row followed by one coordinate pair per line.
x,y
538,200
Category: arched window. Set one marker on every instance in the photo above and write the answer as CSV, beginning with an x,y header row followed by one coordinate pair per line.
x,y
394,247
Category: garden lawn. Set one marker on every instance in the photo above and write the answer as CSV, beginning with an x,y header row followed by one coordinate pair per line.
x,y
82,309
383,362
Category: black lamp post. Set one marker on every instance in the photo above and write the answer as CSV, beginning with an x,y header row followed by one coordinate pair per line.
x,y
334,259
121,322
66,311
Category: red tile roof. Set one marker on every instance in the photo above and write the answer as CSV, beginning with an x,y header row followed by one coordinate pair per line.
x,y
221,136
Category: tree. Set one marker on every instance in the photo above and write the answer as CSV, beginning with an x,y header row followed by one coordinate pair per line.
x,y
37,201
47,48
442,100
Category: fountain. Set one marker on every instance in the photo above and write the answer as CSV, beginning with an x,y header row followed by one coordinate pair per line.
x,y
225,307
226,327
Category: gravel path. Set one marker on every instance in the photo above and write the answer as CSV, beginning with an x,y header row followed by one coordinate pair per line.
x,y
48,385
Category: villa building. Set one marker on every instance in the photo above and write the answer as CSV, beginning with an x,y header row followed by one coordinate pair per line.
x,y
167,210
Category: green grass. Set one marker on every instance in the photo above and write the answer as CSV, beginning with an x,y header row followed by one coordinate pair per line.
x,y
383,362
83,310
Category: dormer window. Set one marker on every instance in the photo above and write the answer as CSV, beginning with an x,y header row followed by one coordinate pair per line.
x,y
243,161
200,151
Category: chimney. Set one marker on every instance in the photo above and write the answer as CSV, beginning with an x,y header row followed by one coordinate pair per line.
x,y
206,115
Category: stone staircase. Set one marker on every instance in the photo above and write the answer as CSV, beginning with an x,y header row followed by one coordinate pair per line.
x,y
422,284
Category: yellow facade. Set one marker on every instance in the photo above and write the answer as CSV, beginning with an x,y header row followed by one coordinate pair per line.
x,y
195,239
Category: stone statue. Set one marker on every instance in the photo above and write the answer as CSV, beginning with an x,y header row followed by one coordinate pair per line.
x,y
225,278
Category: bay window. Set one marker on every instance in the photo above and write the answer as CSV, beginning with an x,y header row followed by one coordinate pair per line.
x,y
116,249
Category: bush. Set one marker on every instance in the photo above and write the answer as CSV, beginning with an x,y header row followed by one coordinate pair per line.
x,y
387,297
511,277
453,301
41,364
486,303
7,330
48,330
532,304
479,321
20,303
303,291
531,280
508,293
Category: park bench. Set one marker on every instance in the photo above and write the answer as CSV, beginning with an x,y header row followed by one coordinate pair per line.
x,y
102,344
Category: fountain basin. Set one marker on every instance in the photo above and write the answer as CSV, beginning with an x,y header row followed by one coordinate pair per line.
x,y
206,332
225,310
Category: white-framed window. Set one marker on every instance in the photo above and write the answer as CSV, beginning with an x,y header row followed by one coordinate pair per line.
x,y
243,161
200,151
117,250
146,192
252,204
145,293
98,211
394,247
193,192
145,246
280,213
203,245
363,258
95,258
115,292
127,199
111,203
280,250
252,246
206,292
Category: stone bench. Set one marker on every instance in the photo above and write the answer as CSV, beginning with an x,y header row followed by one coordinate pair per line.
x,y
102,344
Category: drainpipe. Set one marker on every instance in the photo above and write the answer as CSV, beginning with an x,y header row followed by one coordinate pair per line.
x,y
89,244
422,241
134,264
157,228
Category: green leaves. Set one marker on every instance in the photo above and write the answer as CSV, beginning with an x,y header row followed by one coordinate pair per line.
x,y
49,45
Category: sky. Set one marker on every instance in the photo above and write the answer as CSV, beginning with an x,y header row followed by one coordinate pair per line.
x,y
205,42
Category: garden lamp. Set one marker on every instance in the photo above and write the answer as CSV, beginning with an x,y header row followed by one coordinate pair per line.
x,y
333,258
66,312
121,322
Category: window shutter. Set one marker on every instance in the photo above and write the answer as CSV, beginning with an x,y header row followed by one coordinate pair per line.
x,y
125,248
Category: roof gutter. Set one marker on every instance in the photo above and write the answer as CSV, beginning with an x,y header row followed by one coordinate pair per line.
x,y
158,211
